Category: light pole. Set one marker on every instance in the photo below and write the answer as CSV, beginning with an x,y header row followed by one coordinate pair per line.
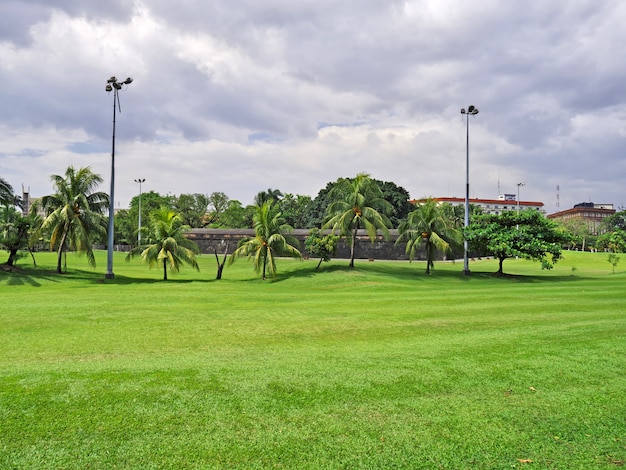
x,y
471,111
518,186
139,180
114,86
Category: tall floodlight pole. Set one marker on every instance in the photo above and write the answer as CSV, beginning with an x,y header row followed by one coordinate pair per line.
x,y
471,111
139,180
114,86
518,186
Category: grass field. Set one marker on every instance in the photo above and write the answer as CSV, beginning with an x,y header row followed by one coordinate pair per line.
x,y
373,368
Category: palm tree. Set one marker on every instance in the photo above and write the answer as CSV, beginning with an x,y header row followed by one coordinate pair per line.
x,y
169,247
271,240
74,213
427,224
6,193
357,203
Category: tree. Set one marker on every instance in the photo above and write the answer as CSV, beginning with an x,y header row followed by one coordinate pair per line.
x,y
273,195
235,216
218,203
271,240
614,242
579,232
7,196
74,214
427,225
167,243
527,234
614,221
395,195
192,208
321,246
613,259
357,203
294,209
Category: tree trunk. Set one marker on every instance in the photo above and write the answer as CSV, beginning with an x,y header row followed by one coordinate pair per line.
x,y
501,260
319,264
428,257
353,246
264,264
60,251
220,266
12,257
165,270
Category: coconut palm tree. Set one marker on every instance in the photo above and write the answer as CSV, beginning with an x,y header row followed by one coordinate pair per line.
x,y
168,246
74,214
6,193
427,224
271,240
357,203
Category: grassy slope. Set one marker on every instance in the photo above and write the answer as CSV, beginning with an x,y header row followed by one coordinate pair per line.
x,y
377,367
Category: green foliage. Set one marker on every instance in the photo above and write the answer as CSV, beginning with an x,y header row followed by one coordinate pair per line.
x,y
427,224
234,215
357,203
527,234
192,208
218,203
614,241
7,196
294,209
321,246
167,245
271,195
271,240
74,213
613,259
396,196
614,221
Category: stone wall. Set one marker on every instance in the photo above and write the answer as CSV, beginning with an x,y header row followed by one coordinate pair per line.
x,y
210,240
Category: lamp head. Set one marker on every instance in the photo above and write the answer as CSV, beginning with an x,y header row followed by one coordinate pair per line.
x,y
112,80
109,87
128,81
463,111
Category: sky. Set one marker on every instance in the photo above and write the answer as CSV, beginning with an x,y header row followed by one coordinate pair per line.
x,y
239,96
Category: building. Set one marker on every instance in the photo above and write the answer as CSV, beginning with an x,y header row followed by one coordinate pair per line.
x,y
505,202
592,214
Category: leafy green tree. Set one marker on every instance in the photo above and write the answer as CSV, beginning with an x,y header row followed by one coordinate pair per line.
x,y
357,203
192,208
74,214
321,246
7,196
399,199
235,216
294,209
527,234
396,196
167,245
218,203
428,225
614,242
613,259
273,195
578,230
271,239
614,221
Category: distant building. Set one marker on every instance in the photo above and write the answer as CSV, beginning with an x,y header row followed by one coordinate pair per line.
x,y
591,213
26,202
505,202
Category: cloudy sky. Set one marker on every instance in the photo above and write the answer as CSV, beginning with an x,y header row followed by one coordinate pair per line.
x,y
243,95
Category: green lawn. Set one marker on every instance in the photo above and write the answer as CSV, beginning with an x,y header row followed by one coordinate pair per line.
x,y
376,367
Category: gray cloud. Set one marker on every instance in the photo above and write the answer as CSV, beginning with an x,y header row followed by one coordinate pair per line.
x,y
240,96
